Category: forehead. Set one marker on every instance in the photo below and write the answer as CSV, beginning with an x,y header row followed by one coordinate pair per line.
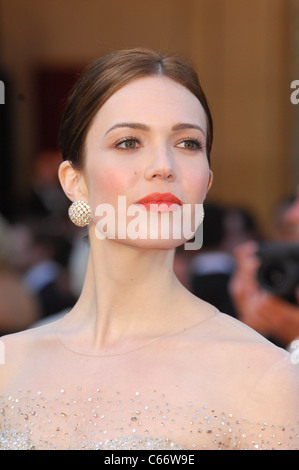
x,y
156,101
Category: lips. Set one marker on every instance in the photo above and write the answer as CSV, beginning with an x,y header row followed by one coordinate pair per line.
x,y
160,201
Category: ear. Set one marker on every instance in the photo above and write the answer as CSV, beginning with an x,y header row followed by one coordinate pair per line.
x,y
210,181
73,182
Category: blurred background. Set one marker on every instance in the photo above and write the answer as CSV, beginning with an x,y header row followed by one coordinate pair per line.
x,y
246,53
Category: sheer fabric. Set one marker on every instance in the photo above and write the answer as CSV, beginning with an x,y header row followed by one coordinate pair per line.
x,y
216,385
32,421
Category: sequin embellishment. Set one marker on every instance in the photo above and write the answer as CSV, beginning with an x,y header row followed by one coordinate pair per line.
x,y
30,421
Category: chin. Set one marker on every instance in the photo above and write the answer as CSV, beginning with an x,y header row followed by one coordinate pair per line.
x,y
153,244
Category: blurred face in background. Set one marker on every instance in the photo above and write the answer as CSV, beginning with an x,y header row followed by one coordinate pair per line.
x,y
292,216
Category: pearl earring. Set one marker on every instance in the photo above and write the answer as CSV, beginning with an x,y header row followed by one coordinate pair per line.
x,y
80,213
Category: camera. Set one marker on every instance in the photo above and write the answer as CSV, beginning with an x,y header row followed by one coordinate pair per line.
x,y
278,272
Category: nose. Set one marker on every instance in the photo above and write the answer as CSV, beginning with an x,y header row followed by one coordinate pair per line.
x,y
161,165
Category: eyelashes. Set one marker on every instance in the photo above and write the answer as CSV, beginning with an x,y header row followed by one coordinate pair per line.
x,y
128,143
188,143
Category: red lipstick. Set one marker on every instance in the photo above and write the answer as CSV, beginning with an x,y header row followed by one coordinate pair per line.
x,y
160,201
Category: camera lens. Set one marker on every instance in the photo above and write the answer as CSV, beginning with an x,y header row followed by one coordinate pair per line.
x,y
277,276
279,268
274,275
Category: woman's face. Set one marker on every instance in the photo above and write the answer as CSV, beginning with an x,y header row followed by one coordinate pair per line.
x,y
149,137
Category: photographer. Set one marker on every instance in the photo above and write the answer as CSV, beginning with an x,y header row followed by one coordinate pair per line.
x,y
268,314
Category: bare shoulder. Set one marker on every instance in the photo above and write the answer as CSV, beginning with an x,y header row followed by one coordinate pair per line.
x,y
234,342
247,365
235,334
19,350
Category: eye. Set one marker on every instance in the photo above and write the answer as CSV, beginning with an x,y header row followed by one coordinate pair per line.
x,y
128,143
190,144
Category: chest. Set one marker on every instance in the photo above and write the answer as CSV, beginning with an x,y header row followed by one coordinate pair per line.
x,y
107,418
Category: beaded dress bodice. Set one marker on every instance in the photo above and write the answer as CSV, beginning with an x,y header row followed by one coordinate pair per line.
x,y
30,421
191,394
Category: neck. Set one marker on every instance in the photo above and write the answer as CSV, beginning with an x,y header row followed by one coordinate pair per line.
x,y
128,293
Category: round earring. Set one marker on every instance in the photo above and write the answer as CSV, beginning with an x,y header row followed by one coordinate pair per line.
x,y
80,213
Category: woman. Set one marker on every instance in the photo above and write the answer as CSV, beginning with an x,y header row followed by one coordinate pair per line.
x,y
139,362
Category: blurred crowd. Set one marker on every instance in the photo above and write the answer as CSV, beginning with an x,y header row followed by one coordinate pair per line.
x,y
43,260
225,271
43,255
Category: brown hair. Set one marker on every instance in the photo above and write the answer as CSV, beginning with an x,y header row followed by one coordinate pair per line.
x,y
107,75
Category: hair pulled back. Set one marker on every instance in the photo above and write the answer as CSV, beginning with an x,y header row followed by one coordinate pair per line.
x,y
104,77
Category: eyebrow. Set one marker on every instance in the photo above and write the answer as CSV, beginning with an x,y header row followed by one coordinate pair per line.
x,y
136,125
182,126
131,125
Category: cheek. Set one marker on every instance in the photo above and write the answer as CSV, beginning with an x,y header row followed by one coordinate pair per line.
x,y
113,180
196,182
107,184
